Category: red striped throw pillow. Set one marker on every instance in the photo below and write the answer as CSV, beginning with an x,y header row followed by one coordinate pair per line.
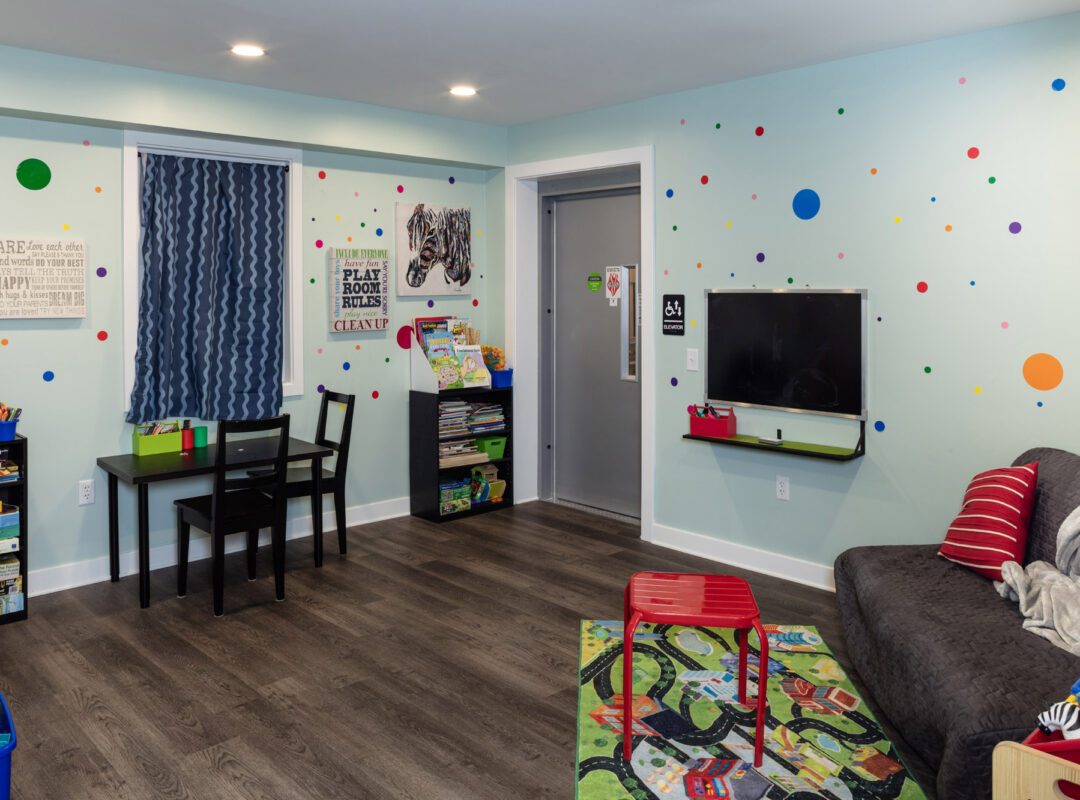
x,y
992,525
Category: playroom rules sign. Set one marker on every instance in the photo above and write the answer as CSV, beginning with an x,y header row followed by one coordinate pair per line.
x,y
42,278
359,290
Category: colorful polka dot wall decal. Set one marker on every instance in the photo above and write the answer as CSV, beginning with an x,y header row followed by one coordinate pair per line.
x,y
47,375
97,189
346,366
791,280
971,283
933,199
926,370
102,272
320,388
431,304
753,196
1014,227
388,359
759,131
922,286
312,280
948,228
348,238
66,227
840,256
991,180
451,179
1058,84
670,193
732,274
879,426
356,194
693,322
337,218
86,142
3,342
378,231
704,180
718,126
674,381
873,170
760,257
896,220
475,303
33,174
839,111
400,189
375,395
674,227
404,337
879,319
318,242
102,336
1004,326
357,347
1039,404
1043,372
322,175
806,204
665,272
363,224
682,121
319,351
973,152
978,390
962,81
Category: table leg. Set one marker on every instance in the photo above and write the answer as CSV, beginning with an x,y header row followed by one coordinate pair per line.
x,y
144,545
114,532
316,508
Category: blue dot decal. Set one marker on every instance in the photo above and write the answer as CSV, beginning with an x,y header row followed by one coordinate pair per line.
x,y
879,426
806,204
933,199
378,231
1039,404
1058,84
346,365
47,375
670,192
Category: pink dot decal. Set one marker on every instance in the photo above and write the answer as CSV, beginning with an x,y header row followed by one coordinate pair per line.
x,y
102,336
319,351
973,152
690,409
759,131
753,197
922,286
356,194
1014,227
400,189
86,142
840,256
962,81
318,242
704,180
404,337
1004,326
682,121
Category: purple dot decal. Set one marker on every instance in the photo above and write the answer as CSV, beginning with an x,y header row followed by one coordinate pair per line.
x,y
879,426
102,272
674,381
451,179
346,366
760,257
320,388
431,304
47,375
1014,227
378,231
879,319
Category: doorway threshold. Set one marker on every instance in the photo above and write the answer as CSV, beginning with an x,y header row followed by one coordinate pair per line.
x,y
600,512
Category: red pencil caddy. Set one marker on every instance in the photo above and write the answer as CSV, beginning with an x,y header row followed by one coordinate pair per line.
x,y
1059,746
713,427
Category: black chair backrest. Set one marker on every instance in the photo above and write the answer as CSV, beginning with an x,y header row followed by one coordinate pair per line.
x,y
342,446
251,452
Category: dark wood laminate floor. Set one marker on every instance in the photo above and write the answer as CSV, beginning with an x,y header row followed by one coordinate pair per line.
x,y
430,662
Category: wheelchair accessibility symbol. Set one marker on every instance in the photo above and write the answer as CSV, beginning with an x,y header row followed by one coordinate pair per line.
x,y
674,306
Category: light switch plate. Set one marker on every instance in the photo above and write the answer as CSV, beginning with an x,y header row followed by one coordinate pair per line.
x,y
692,359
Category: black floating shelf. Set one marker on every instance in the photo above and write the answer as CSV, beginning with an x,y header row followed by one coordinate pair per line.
x,y
807,449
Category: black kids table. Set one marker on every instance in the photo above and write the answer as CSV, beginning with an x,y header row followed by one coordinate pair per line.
x,y
141,471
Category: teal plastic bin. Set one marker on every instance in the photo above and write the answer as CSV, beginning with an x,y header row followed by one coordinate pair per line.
x,y
7,732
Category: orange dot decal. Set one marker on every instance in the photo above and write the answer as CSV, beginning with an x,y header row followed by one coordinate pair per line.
x,y
873,171
97,189
4,342
699,265
1043,372
948,228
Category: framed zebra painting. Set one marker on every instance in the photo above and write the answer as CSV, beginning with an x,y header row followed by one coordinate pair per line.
x,y
434,249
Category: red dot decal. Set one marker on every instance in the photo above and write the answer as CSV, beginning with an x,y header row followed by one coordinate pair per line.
x,y
704,180
404,337
102,336
922,286
318,242
400,189
375,395
973,152
759,130
475,303
322,174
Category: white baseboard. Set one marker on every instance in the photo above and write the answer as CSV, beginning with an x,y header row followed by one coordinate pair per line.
x,y
739,555
82,573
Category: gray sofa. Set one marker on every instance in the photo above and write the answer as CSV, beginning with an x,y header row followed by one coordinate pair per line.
x,y
945,657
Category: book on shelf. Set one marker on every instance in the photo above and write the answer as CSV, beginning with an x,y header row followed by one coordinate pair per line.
x,y
11,603
11,585
462,459
9,544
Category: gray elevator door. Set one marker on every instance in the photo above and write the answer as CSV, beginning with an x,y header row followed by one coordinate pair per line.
x,y
597,411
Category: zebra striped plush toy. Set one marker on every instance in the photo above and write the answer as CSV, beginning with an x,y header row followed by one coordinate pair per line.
x,y
1064,717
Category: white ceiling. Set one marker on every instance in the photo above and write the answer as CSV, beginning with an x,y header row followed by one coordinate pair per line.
x,y
529,60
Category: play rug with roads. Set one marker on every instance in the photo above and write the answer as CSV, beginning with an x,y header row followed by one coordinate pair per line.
x,y
692,738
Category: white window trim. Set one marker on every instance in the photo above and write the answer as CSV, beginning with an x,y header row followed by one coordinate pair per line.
x,y
136,141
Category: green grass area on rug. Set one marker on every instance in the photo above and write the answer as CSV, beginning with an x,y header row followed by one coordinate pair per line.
x,y
692,738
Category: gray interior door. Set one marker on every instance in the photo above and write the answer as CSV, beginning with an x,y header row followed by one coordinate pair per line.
x,y
596,458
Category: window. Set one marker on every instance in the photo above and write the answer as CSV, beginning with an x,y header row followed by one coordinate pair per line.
x,y
292,306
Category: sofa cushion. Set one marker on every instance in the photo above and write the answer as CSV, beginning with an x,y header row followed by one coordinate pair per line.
x,y
992,526
946,659
1056,495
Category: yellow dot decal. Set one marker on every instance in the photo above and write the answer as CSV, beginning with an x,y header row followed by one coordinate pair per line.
x,y
479,233
338,218
66,226
978,390
1043,372
693,322
896,220
729,223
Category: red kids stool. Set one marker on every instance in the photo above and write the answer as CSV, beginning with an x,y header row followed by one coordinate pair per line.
x,y
711,601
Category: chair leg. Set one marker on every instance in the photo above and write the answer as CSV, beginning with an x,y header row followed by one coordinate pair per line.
x,y
217,541
763,692
628,684
252,549
183,537
339,512
277,535
316,528
742,633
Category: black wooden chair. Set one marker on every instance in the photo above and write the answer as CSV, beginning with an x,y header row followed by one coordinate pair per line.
x,y
240,504
298,479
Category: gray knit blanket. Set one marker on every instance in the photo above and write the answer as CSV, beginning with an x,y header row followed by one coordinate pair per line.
x,y
1049,596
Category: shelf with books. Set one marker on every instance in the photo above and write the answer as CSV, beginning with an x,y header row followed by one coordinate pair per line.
x,y
13,530
439,491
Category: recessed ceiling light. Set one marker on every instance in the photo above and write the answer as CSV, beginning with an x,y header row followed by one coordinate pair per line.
x,y
248,50
463,91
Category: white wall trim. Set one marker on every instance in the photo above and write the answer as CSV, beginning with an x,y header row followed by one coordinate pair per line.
x,y
293,383
95,570
740,555
522,310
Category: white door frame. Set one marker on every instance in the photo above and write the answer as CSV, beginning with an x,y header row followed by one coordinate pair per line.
x,y
523,312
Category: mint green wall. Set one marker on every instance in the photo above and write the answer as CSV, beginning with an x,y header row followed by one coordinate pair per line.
x,y
908,116
78,416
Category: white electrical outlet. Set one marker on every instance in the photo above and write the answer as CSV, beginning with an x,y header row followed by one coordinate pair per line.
x,y
783,488
691,359
86,492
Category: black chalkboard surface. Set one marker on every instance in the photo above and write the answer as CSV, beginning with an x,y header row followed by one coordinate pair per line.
x,y
789,349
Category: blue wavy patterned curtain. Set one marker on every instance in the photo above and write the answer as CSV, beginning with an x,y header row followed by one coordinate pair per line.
x,y
210,299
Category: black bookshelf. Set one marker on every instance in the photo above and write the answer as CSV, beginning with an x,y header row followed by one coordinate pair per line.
x,y
14,492
425,474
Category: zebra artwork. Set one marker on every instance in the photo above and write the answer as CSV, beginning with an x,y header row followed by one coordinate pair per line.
x,y
436,236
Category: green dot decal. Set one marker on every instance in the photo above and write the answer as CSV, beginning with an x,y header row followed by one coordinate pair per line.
x,y
674,227
926,370
791,280
839,111
992,179
313,280
363,224
33,174
718,126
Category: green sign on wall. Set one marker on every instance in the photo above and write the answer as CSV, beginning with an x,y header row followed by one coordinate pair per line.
x,y
595,281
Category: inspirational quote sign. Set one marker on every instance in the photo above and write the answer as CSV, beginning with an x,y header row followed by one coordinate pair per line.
x,y
42,278
359,290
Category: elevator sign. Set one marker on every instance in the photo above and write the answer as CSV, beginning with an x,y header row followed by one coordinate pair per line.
x,y
674,314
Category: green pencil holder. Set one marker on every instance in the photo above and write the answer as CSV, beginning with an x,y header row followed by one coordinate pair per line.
x,y
199,436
